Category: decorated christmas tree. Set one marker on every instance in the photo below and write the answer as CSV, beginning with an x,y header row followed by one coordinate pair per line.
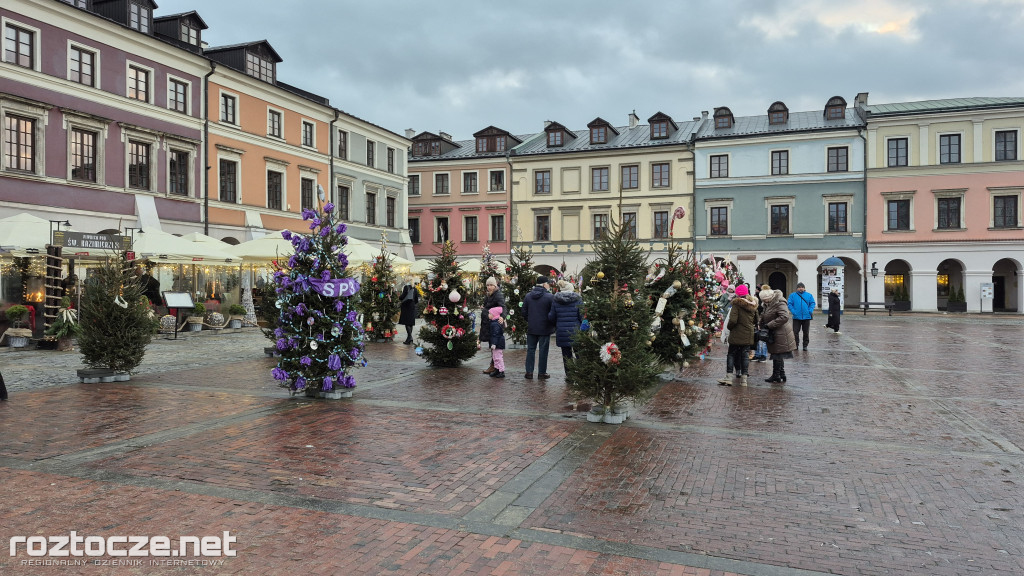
x,y
379,301
448,325
614,360
671,287
319,337
116,320
520,278
489,267
712,277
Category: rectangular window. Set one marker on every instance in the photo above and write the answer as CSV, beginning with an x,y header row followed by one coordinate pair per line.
x,y
630,177
414,230
598,135
661,224
542,230
371,160
371,208
414,185
138,165
188,34
138,84
343,145
343,194
719,221
391,160
897,152
554,138
76,3
228,181
83,155
720,166
497,228
542,182
273,190
780,219
949,213
441,229
659,130
1006,145
837,159
780,162
899,214
469,183
389,212
949,149
178,169
599,179
177,96
306,194
600,226
227,108
440,184
19,143
659,175
307,134
837,217
498,181
1004,212
469,229
499,144
274,123
139,17
629,223
83,66
258,67
481,144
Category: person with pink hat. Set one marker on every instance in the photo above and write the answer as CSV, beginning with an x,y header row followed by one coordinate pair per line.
x,y
741,323
497,342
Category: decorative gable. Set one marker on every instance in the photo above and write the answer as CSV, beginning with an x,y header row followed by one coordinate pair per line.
x,y
778,113
558,135
835,108
430,144
492,139
662,126
724,118
601,131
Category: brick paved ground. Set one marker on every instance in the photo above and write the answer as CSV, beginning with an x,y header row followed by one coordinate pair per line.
x,y
895,448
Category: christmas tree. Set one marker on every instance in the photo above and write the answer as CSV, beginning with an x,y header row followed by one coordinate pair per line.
x,y
671,289
318,334
448,328
116,321
520,278
489,267
614,360
379,300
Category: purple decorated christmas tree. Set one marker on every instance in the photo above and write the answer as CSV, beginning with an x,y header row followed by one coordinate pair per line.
x,y
318,335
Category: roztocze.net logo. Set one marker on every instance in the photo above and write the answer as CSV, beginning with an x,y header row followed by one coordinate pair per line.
x,y
75,545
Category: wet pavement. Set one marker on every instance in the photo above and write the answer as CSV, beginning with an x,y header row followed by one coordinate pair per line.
x,y
894,448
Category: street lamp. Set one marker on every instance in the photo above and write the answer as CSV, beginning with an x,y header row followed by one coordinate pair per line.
x,y
874,269
59,223
131,232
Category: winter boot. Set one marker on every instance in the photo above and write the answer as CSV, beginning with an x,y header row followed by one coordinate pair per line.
x,y
743,380
782,374
727,381
776,370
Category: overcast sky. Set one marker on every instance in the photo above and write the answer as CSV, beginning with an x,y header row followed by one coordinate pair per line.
x,y
460,65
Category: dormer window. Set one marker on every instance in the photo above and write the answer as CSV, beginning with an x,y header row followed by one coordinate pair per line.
x,y
723,118
662,126
435,148
140,16
599,135
835,108
554,138
499,143
189,34
491,143
778,113
481,144
659,130
259,67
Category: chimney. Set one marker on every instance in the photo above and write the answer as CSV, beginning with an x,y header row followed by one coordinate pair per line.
x,y
633,119
861,99
409,132
696,118
445,135
703,114
547,123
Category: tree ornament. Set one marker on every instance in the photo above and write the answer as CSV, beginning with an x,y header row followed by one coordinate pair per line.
x,y
610,353
677,284
600,275
443,310
454,296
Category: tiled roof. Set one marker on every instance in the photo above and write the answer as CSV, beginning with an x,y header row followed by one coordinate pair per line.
x,y
947,105
798,122
636,137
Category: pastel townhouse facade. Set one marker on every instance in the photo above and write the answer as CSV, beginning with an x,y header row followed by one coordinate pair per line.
x,y
944,186
459,191
572,184
780,193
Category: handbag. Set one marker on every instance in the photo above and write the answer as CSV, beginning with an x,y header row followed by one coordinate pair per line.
x,y
764,335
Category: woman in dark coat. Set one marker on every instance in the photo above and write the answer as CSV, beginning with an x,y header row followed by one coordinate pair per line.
x,y
566,315
410,298
776,318
493,298
834,309
741,322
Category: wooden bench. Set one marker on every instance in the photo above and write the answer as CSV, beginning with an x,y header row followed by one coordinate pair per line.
x,y
887,305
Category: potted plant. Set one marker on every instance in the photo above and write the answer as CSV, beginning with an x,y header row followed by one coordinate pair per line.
x,y
236,312
66,326
17,335
957,301
195,320
901,299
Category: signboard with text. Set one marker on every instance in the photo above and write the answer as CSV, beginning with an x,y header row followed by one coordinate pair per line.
x,y
82,241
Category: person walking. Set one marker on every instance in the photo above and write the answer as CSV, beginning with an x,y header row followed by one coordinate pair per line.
x,y
493,298
741,323
761,349
409,299
497,341
536,307
776,319
801,306
566,316
834,311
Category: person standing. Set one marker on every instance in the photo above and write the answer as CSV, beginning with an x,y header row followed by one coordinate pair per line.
x,y
801,306
497,341
741,323
834,311
776,319
761,349
566,316
536,307
493,298
409,299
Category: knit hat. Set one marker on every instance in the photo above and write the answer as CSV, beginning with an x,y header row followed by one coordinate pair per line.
x,y
542,280
800,285
564,286
765,287
495,312
767,295
742,290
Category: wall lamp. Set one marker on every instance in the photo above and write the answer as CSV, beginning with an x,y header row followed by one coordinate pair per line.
x,y
874,269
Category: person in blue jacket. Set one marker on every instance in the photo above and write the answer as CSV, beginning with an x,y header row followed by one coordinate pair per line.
x,y
565,314
801,306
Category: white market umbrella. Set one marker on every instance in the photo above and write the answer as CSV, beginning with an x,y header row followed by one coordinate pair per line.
x,y
24,231
420,266
473,265
266,249
161,247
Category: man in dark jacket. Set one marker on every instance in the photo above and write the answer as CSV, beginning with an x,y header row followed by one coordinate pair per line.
x,y
536,307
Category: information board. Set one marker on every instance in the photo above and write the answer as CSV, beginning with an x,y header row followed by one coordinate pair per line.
x,y
180,300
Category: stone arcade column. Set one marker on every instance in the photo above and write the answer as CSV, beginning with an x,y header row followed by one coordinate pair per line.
x,y
924,296
973,279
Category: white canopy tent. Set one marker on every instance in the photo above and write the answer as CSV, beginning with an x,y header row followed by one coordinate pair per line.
x,y
23,232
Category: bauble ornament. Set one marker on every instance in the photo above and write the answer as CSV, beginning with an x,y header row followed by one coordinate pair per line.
x,y
600,275
455,296
677,284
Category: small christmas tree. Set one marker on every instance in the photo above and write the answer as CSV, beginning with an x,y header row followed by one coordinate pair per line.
x,y
379,300
116,321
713,277
448,328
670,289
318,334
614,360
520,278
489,267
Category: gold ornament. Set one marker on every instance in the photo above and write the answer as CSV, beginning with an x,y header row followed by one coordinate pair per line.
x,y
692,322
653,337
628,303
675,321
677,284
600,275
